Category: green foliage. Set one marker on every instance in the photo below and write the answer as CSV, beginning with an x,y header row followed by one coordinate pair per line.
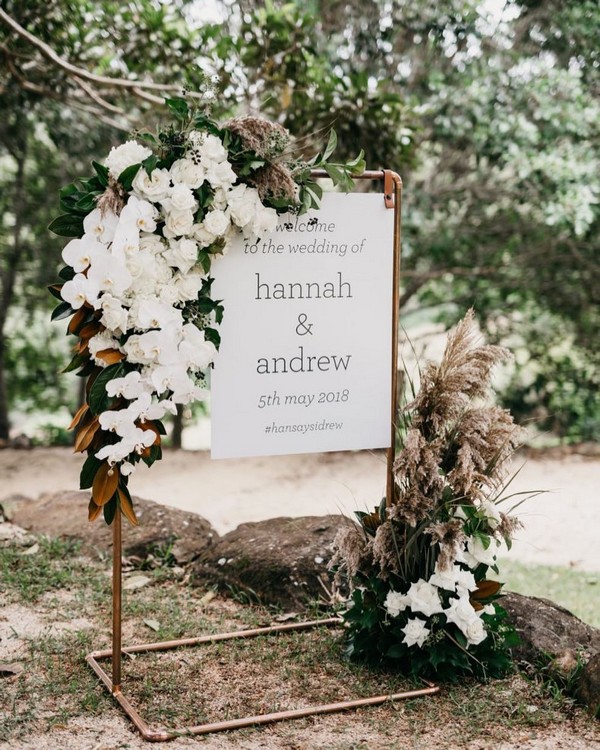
x,y
491,118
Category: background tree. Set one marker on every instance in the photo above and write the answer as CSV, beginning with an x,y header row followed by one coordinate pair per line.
x,y
490,117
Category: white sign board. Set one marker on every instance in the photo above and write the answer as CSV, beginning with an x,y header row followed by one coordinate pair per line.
x,y
305,359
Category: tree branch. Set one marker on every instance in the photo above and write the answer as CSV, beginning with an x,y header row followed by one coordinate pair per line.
x,y
80,75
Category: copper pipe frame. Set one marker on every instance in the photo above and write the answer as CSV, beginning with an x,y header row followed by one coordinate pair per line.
x,y
113,682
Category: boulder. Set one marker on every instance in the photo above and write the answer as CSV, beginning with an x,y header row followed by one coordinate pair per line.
x,y
588,687
548,630
281,561
161,529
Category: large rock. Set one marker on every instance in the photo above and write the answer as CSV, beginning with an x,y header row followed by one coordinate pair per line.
x,y
64,514
548,630
281,561
588,688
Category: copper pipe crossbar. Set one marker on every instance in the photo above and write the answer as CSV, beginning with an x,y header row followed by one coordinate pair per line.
x,y
392,197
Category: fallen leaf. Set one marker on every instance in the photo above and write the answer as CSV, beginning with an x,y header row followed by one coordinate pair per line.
x,y
207,598
152,624
32,550
286,616
136,582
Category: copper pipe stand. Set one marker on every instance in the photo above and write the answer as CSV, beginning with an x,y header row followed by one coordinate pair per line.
x,y
153,734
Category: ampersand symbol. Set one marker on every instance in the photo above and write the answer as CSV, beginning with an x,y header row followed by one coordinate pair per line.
x,y
302,328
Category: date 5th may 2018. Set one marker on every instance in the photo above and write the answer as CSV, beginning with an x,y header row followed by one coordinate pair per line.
x,y
303,399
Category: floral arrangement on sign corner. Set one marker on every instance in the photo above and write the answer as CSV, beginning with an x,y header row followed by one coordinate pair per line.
x,y
147,228
418,569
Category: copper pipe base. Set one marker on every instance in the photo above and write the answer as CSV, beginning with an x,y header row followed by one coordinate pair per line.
x,y
162,735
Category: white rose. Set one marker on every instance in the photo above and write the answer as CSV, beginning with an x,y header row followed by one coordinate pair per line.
x,y
189,285
187,172
153,187
152,243
216,222
460,611
180,198
477,553
220,199
178,223
167,293
423,597
415,632
182,254
201,233
265,220
474,631
243,211
395,603
220,175
125,155
212,149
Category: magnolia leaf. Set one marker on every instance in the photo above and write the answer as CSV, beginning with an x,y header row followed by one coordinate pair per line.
x,y
66,273
76,362
93,510
78,415
105,483
126,505
88,472
109,511
67,225
77,320
54,290
152,454
98,399
485,589
110,356
62,311
86,434
90,329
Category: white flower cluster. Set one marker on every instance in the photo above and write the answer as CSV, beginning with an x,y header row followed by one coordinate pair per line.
x,y
423,597
140,268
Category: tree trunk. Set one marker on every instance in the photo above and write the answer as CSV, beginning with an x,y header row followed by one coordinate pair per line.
x,y
177,433
9,265
4,422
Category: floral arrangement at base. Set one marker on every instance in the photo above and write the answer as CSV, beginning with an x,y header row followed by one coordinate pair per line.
x,y
421,597
147,229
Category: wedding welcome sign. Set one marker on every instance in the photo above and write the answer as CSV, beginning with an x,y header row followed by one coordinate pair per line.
x,y
305,360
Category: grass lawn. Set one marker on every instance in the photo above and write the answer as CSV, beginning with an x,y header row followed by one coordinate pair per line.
x,y
576,590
